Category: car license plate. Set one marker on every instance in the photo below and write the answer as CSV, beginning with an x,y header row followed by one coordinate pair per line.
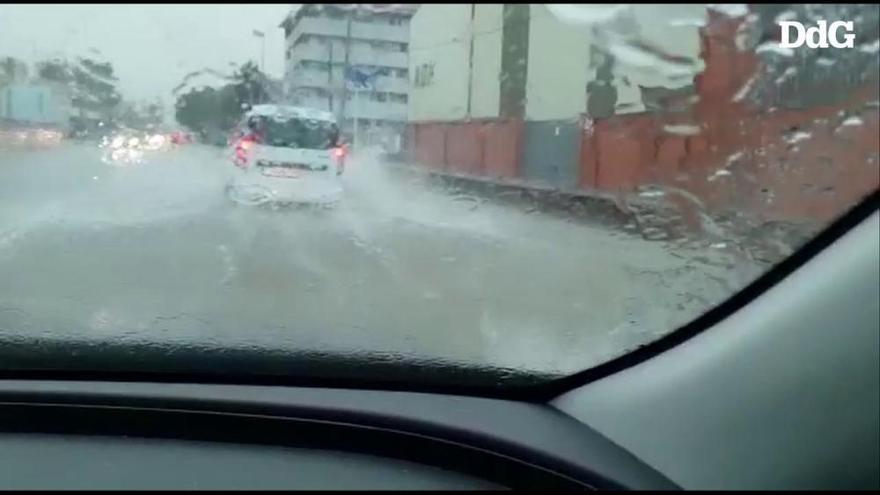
x,y
281,172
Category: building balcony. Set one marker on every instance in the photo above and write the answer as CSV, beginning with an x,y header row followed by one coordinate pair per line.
x,y
363,30
319,79
311,101
310,78
374,110
360,54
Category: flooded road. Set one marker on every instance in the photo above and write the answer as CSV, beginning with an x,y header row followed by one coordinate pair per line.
x,y
155,251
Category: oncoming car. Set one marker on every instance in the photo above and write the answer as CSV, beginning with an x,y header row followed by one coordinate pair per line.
x,y
287,155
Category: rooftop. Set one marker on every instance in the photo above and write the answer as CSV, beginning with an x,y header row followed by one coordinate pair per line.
x,y
406,9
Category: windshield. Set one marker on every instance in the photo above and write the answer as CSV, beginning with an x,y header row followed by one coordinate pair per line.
x,y
297,133
525,190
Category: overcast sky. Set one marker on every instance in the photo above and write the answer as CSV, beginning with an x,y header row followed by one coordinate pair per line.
x,y
151,47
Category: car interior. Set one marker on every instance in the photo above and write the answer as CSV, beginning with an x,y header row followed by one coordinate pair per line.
x,y
777,388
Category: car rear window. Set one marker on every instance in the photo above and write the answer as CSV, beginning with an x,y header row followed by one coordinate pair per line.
x,y
298,133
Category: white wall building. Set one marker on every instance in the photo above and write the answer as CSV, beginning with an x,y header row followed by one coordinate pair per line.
x,y
322,40
531,61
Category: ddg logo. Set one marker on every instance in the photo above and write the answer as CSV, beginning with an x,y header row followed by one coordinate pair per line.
x,y
817,36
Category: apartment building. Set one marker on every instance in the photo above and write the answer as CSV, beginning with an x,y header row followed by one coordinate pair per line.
x,y
325,42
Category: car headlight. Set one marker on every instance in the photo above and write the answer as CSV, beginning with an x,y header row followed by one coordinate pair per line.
x,y
157,141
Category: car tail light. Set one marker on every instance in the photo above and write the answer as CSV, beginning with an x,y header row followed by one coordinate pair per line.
x,y
241,150
339,157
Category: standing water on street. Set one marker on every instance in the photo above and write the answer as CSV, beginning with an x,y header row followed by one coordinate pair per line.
x,y
536,189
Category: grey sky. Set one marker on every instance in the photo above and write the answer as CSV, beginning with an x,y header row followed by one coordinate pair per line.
x,y
151,46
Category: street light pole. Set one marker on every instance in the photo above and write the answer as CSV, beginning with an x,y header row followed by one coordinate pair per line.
x,y
355,113
345,63
262,36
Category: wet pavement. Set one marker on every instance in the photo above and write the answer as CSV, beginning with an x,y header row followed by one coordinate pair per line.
x,y
155,251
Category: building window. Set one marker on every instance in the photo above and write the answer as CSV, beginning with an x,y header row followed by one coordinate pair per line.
x,y
398,98
331,11
395,20
402,47
424,75
311,64
381,97
400,73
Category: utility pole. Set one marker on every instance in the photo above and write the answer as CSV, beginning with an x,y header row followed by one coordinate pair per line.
x,y
471,63
262,36
354,112
345,66
330,88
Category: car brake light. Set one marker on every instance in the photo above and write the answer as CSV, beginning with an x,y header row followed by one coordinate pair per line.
x,y
244,144
339,157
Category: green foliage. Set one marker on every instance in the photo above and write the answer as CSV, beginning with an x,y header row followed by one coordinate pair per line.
x,y
92,83
209,110
54,70
12,70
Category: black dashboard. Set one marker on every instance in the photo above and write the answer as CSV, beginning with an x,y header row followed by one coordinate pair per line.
x,y
64,462
102,435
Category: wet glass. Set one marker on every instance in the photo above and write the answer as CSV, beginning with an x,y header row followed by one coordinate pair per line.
x,y
533,189
298,133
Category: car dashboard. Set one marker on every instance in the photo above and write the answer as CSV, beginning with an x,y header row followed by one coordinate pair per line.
x,y
105,435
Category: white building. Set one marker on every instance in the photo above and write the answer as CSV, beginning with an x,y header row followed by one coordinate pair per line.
x,y
537,62
323,40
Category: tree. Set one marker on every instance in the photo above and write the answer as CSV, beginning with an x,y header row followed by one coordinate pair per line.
x,y
92,84
12,70
197,109
129,116
56,70
95,87
153,114
210,109
250,84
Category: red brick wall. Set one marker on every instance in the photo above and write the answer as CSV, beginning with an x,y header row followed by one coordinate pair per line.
x,y
501,148
817,178
484,148
464,153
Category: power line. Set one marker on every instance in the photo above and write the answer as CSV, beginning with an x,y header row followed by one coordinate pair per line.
x,y
454,41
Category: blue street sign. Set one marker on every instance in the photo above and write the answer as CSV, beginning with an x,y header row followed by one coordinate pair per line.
x,y
363,78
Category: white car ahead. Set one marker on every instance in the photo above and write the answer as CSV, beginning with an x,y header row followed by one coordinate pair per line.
x,y
286,154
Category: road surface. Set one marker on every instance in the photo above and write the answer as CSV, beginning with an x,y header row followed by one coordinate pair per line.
x,y
400,267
